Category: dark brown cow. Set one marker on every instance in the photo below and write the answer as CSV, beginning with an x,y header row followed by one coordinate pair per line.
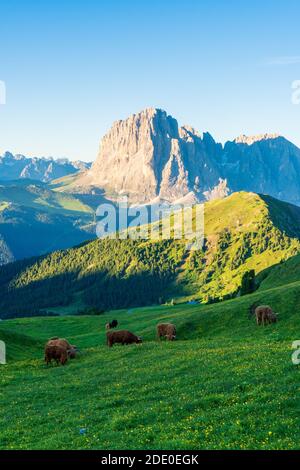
x,y
264,315
57,353
122,337
166,330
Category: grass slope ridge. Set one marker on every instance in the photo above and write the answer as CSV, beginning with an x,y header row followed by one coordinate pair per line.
x,y
224,384
242,232
38,195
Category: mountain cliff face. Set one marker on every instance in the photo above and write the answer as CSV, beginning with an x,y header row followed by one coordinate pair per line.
x,y
148,156
14,167
267,164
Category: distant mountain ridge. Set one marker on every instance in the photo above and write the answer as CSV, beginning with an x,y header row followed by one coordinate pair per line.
x,y
43,169
149,156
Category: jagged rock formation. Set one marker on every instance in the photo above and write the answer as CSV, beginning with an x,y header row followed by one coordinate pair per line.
x,y
149,156
264,164
14,167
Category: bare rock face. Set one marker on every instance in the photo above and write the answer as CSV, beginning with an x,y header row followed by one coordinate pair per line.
x,y
148,156
134,153
267,164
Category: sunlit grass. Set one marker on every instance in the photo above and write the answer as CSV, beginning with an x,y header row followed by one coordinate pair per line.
x,y
224,384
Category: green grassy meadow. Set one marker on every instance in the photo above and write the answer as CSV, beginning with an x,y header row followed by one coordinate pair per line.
x,y
224,384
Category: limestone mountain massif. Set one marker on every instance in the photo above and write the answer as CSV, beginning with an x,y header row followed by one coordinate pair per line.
x,y
149,156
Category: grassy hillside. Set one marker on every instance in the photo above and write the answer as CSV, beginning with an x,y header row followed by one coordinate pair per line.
x,y
242,232
39,196
225,383
65,183
283,273
35,220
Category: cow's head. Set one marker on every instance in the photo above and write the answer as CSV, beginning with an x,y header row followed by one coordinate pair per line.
x,y
72,352
139,340
171,337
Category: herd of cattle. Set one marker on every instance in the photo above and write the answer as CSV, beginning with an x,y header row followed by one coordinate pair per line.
x,y
60,350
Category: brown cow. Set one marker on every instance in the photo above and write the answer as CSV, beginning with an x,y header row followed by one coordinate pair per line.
x,y
56,353
61,342
264,315
167,330
122,337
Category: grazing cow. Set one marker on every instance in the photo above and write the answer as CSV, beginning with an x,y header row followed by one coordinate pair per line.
x,y
122,337
167,330
112,324
57,353
61,342
264,315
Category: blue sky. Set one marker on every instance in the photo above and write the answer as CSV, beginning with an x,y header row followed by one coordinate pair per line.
x,y
71,68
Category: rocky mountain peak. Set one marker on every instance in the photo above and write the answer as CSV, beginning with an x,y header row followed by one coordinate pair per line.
x,y
148,156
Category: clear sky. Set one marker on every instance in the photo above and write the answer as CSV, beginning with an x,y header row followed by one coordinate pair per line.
x,y
73,67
